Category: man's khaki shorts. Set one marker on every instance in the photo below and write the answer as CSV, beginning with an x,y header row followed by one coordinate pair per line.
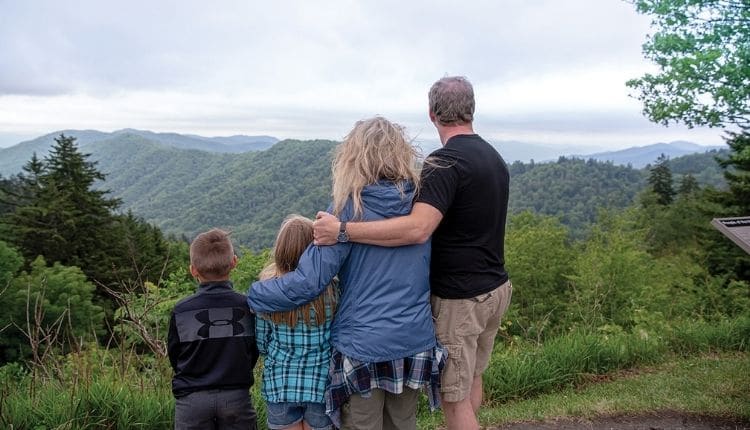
x,y
467,329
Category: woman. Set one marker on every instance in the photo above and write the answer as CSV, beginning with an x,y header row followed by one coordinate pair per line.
x,y
384,346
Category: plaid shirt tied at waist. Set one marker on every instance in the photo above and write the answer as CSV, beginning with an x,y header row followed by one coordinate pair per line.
x,y
348,376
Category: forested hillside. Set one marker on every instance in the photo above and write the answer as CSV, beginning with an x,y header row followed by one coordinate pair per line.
x,y
185,191
703,167
572,189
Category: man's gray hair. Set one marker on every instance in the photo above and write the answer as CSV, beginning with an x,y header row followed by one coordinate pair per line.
x,y
452,100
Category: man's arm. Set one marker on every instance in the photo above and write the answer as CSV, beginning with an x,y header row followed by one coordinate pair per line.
x,y
410,229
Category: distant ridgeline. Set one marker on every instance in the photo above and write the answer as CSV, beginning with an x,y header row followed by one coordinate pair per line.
x,y
186,184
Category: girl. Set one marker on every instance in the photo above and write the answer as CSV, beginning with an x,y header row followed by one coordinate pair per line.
x,y
295,343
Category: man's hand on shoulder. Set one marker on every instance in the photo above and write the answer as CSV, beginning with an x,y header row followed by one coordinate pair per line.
x,y
325,229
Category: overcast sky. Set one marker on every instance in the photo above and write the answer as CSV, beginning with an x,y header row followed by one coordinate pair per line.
x,y
544,71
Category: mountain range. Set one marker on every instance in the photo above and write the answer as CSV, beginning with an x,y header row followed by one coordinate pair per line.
x,y
14,157
174,182
641,156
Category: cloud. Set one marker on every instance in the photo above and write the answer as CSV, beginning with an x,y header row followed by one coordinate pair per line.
x,y
309,69
92,46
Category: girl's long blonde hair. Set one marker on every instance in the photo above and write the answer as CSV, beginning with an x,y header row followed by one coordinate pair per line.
x,y
376,149
294,236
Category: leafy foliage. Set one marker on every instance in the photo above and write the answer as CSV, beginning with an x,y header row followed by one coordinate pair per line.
x,y
249,267
702,49
538,258
145,254
610,273
56,298
10,263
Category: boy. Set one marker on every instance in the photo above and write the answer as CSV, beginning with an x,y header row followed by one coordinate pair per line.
x,y
212,343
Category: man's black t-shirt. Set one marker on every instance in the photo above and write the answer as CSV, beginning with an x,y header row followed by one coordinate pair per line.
x,y
467,181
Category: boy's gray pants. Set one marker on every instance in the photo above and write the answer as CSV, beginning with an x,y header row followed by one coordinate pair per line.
x,y
215,409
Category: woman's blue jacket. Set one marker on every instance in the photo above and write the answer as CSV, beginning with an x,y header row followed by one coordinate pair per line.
x,y
384,307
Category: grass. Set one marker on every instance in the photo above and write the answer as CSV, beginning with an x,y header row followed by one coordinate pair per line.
x,y
97,389
712,384
562,361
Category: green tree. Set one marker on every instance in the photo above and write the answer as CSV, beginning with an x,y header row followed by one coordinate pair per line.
x,y
616,281
724,258
688,186
10,262
51,299
142,253
33,169
702,49
660,180
61,216
248,267
737,173
538,258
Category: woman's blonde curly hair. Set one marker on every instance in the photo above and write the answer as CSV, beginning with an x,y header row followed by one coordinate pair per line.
x,y
376,149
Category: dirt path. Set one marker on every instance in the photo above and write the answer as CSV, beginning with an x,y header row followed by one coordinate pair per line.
x,y
659,421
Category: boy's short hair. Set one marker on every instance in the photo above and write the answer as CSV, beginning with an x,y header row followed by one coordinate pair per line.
x,y
211,253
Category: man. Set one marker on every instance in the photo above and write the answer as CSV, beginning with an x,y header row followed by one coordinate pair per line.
x,y
463,205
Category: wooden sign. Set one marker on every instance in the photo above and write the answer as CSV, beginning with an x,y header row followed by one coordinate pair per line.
x,y
737,229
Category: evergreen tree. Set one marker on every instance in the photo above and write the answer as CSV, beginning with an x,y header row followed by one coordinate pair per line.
x,y
61,217
688,186
34,169
150,256
58,214
660,180
10,188
723,256
737,173
17,189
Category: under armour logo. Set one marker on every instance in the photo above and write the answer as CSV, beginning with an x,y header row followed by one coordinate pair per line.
x,y
214,323
205,318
